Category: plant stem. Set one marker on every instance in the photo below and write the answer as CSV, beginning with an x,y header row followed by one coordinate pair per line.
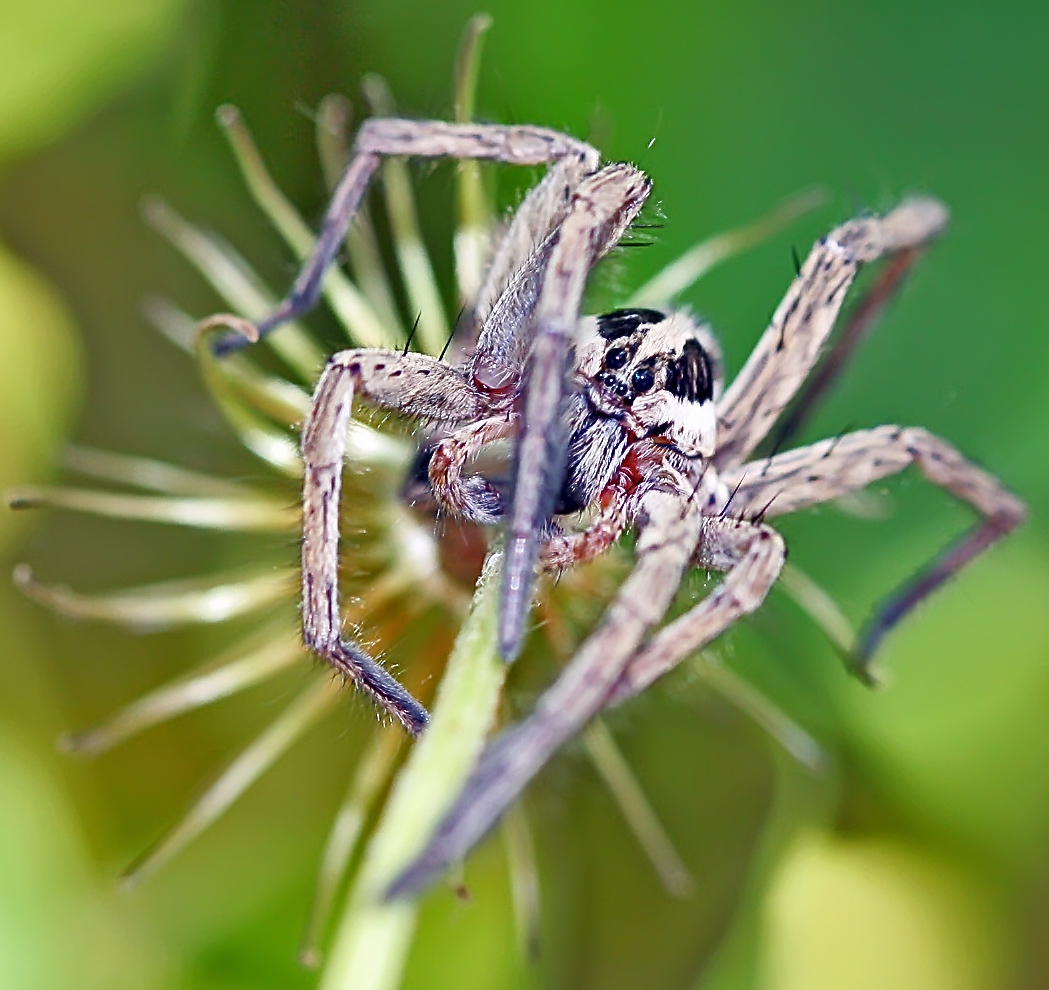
x,y
374,936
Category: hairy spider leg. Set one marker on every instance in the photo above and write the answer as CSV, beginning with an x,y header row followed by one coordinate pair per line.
x,y
727,544
803,321
412,383
665,545
307,288
831,468
472,497
564,550
664,548
506,301
542,250
860,321
609,667
602,208
382,136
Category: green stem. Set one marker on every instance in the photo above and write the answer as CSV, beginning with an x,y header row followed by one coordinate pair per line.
x,y
374,935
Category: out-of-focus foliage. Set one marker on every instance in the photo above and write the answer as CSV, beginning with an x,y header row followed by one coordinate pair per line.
x,y
873,913
917,859
39,379
60,59
60,920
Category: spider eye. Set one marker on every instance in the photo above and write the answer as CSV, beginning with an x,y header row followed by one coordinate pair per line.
x,y
643,379
616,358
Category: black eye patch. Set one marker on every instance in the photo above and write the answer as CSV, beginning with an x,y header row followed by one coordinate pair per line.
x,y
624,322
691,376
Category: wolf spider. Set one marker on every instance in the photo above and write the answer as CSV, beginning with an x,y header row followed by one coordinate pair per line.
x,y
623,415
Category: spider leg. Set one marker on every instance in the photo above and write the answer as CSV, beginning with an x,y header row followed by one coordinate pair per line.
x,y
566,550
859,323
603,206
753,554
825,470
414,384
665,544
380,136
472,497
510,292
791,345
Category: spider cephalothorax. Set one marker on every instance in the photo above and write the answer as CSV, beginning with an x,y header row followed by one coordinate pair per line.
x,y
621,415
641,374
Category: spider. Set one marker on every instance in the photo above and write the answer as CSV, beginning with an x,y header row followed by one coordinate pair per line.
x,y
623,415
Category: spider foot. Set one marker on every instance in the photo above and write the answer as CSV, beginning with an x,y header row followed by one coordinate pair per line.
x,y
927,580
860,663
349,659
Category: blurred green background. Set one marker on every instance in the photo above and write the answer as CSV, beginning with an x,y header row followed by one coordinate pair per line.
x,y
918,858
